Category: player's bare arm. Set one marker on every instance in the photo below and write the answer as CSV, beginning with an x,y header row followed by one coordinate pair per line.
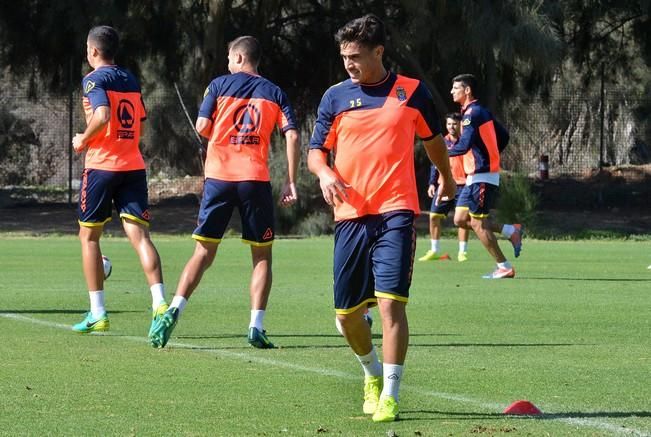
x,y
100,118
437,153
204,126
331,186
288,196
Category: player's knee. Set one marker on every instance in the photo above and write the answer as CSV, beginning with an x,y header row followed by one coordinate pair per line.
x,y
205,254
261,254
348,321
477,225
89,235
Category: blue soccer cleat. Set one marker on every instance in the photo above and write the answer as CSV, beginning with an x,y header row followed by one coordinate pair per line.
x,y
90,324
516,239
162,330
258,339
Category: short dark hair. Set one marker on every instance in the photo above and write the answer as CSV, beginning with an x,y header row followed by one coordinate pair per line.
x,y
468,80
453,115
106,39
249,46
367,31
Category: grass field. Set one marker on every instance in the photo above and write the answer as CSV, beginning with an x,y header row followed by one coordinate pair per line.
x,y
571,333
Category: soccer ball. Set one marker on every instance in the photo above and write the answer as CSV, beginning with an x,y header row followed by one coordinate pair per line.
x,y
108,267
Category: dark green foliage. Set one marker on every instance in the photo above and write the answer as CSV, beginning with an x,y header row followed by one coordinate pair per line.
x,y
19,149
517,202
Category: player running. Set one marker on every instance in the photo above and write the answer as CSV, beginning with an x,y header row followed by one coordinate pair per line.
x,y
238,115
478,142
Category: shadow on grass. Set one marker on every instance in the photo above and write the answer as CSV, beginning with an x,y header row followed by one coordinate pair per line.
x,y
273,338
42,311
443,415
497,344
588,279
594,414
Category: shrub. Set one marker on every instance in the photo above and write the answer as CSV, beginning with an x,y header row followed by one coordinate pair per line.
x,y
315,224
517,202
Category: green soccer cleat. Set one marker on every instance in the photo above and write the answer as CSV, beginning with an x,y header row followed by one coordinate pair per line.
x,y
462,256
372,389
89,324
430,255
258,339
156,315
387,410
163,328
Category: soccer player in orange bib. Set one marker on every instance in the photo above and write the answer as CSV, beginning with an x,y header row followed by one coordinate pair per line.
x,y
369,123
441,210
478,144
114,172
238,115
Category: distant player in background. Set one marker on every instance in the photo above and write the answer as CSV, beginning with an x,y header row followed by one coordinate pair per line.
x,y
114,172
478,143
370,120
439,211
238,115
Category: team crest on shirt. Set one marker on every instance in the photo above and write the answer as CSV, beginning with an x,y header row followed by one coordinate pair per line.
x,y
401,94
89,86
465,122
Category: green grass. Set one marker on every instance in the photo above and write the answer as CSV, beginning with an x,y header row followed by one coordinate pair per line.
x,y
570,333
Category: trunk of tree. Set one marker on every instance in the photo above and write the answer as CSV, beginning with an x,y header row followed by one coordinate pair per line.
x,y
489,85
212,58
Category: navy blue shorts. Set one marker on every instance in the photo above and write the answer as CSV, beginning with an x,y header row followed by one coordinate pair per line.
x,y
126,189
374,257
445,206
254,201
478,199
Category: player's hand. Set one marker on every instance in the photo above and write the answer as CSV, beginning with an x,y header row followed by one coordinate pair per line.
x,y
288,196
78,143
332,188
447,189
431,191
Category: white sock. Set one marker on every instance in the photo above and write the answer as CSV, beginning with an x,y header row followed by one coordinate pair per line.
x,y
370,363
463,246
508,230
435,245
257,316
157,295
179,302
392,377
97,309
504,265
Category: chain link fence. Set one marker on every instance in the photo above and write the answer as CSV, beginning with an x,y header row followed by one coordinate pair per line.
x,y
570,133
576,133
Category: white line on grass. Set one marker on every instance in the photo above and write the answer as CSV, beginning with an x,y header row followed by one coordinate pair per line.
x,y
592,423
